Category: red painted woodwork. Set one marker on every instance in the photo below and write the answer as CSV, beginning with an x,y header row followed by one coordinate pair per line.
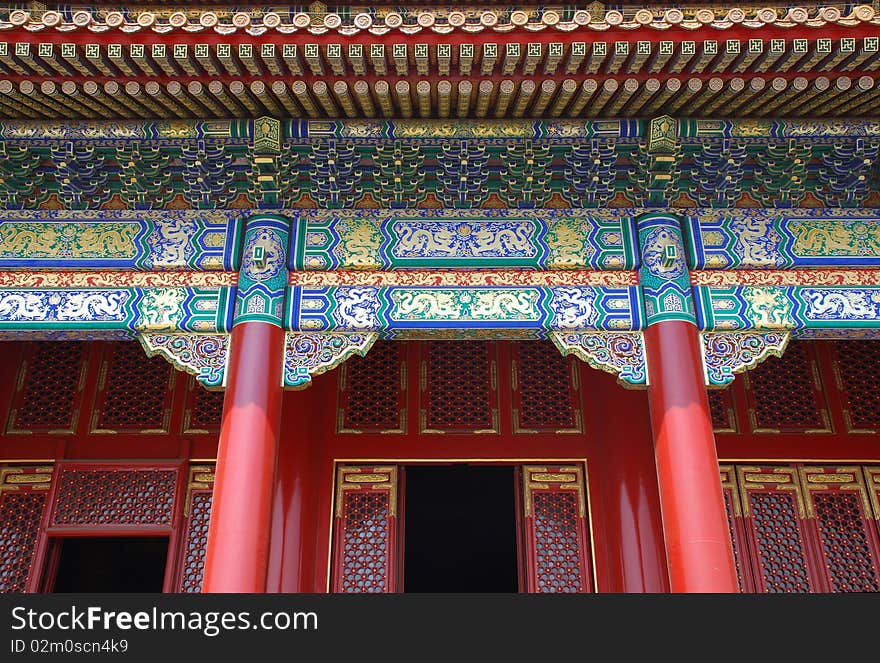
x,y
774,516
109,499
790,399
630,550
615,448
844,371
557,551
733,507
456,400
238,537
134,392
546,395
857,373
698,547
805,528
294,511
48,388
22,501
365,530
839,509
372,391
194,539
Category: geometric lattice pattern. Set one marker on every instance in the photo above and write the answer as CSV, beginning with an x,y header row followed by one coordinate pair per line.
x,y
135,394
89,497
804,527
859,367
364,538
51,384
373,391
845,548
206,408
721,409
195,543
20,514
460,386
555,529
728,508
547,398
784,394
556,543
782,560
365,543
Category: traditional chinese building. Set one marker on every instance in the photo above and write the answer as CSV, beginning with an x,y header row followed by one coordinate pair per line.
x,y
475,298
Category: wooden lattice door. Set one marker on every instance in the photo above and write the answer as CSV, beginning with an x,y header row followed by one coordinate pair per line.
x,y
553,538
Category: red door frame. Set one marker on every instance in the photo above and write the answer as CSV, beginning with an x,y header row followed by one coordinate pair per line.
x,y
43,558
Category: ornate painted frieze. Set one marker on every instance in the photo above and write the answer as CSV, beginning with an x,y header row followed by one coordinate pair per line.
x,y
203,355
780,308
134,240
310,354
461,278
263,276
431,239
622,354
764,277
172,309
663,273
727,353
115,279
778,239
387,310
774,129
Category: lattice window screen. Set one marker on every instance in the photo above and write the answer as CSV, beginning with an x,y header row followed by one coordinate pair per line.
x,y
372,390
722,410
48,388
197,516
134,391
365,530
858,370
546,396
23,491
459,387
555,527
735,523
88,496
773,509
839,504
204,409
786,394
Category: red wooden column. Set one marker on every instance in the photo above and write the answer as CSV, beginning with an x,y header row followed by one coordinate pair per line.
x,y
237,554
698,546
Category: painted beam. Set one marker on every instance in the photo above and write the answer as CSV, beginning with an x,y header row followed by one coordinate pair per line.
x,y
783,239
120,240
389,310
115,310
460,239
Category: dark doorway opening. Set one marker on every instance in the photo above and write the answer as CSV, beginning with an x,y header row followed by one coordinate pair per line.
x,y
460,531
111,564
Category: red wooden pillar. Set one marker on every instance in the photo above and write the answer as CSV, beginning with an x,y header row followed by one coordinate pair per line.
x,y
237,554
698,546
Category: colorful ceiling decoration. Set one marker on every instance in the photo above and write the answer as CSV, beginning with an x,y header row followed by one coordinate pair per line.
x,y
432,164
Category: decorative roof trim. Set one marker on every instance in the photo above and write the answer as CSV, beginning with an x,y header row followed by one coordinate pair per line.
x,y
414,20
